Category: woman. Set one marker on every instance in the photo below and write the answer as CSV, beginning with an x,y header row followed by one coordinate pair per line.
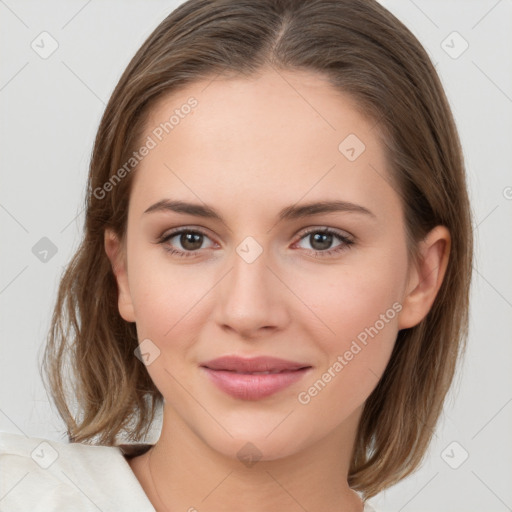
x,y
277,251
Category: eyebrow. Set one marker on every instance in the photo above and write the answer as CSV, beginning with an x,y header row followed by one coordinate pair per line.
x,y
288,213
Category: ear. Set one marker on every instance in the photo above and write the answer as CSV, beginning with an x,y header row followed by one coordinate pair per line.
x,y
425,277
116,254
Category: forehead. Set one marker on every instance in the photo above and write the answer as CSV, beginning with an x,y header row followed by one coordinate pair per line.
x,y
280,109
278,135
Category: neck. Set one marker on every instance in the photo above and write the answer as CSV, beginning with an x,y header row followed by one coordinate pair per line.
x,y
182,472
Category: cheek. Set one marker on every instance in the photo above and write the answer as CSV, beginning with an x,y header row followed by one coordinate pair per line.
x,y
362,308
164,297
342,303
167,298
355,324
354,359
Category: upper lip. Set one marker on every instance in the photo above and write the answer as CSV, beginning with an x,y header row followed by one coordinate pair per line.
x,y
253,364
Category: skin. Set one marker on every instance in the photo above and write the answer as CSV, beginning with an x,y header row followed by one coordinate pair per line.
x,y
250,148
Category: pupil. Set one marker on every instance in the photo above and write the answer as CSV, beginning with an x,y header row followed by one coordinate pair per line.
x,y
325,240
191,241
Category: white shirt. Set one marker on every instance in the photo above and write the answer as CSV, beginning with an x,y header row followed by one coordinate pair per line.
x,y
41,475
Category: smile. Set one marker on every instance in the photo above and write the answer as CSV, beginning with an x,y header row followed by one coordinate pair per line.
x,y
253,378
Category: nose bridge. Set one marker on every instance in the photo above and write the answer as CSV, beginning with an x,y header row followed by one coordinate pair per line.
x,y
250,296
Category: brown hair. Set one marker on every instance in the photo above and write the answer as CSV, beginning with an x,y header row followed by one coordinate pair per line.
x,y
364,51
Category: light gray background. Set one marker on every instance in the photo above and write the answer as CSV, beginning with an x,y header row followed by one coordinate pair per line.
x,y
50,110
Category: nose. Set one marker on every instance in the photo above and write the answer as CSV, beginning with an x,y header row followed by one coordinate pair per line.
x,y
251,300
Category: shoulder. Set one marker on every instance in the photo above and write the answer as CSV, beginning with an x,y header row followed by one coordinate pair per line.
x,y
45,475
368,507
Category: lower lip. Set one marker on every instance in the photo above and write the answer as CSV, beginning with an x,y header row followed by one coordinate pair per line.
x,y
253,387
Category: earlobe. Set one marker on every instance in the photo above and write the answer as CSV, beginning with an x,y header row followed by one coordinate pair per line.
x,y
426,277
117,257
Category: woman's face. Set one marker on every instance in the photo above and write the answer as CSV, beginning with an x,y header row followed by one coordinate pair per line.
x,y
260,153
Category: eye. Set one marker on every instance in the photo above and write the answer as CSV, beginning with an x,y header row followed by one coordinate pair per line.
x,y
191,240
321,241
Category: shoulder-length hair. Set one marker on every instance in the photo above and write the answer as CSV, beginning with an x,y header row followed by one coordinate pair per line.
x,y
364,51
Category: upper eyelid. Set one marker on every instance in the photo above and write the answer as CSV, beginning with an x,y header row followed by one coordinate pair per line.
x,y
337,231
183,229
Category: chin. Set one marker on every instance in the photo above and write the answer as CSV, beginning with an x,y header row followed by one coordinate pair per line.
x,y
250,445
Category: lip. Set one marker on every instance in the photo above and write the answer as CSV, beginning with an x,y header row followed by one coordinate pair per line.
x,y
233,375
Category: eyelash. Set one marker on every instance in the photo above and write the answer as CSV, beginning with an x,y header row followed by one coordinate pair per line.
x,y
345,245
